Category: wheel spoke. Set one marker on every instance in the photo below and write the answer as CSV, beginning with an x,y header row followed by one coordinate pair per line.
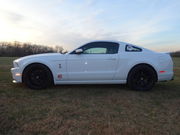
x,y
142,78
38,77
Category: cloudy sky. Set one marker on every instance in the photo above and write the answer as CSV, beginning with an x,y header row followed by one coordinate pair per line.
x,y
153,24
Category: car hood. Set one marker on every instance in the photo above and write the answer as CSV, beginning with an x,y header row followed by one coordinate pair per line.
x,y
46,56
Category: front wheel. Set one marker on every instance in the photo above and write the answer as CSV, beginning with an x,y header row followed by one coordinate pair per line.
x,y
37,76
142,77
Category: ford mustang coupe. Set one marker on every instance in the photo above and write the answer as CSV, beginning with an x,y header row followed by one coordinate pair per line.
x,y
99,62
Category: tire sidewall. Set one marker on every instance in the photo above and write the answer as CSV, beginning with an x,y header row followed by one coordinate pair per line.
x,y
134,71
27,72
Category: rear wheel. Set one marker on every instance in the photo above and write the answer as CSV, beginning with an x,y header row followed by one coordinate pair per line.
x,y
37,76
142,77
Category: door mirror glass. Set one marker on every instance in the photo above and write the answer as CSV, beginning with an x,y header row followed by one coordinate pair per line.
x,y
78,51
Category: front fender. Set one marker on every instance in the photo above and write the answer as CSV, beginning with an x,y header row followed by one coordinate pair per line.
x,y
31,61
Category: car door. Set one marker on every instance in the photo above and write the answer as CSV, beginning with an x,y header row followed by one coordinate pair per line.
x,y
101,59
98,61
75,67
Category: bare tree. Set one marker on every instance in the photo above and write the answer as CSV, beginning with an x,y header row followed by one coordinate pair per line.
x,y
18,49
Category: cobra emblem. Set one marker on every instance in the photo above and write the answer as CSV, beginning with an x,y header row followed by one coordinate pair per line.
x,y
60,66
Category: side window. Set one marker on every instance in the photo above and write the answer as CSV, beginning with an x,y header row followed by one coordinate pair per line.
x,y
97,50
100,48
131,48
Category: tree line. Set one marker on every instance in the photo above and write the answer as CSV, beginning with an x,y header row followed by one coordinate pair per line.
x,y
18,49
175,54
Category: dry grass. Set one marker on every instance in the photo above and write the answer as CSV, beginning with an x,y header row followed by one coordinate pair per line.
x,y
88,109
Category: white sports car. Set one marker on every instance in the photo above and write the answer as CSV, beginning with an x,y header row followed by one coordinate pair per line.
x,y
99,62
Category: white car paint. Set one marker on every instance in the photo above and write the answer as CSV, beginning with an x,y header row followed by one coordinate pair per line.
x,y
96,68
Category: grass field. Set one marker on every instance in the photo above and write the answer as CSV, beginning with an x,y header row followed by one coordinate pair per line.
x,y
88,109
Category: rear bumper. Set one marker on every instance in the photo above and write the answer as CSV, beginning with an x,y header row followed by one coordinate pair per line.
x,y
16,75
166,76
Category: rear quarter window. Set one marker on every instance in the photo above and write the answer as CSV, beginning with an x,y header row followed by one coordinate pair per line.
x,y
131,48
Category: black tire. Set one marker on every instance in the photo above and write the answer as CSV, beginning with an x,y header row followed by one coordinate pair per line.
x,y
142,77
37,76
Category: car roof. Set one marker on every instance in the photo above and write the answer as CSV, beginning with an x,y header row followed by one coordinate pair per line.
x,y
115,41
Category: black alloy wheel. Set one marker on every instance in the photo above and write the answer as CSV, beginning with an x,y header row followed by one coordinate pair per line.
x,y
142,77
37,76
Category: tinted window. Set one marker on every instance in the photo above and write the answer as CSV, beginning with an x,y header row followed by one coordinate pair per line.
x,y
131,48
96,50
100,48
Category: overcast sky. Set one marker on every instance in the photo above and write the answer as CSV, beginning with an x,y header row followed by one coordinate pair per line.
x,y
153,24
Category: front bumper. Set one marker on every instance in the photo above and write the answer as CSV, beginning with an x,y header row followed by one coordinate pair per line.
x,y
16,75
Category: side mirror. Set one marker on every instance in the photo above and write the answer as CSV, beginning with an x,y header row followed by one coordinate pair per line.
x,y
78,51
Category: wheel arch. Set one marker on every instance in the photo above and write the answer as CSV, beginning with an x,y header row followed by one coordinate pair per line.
x,y
33,63
139,64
